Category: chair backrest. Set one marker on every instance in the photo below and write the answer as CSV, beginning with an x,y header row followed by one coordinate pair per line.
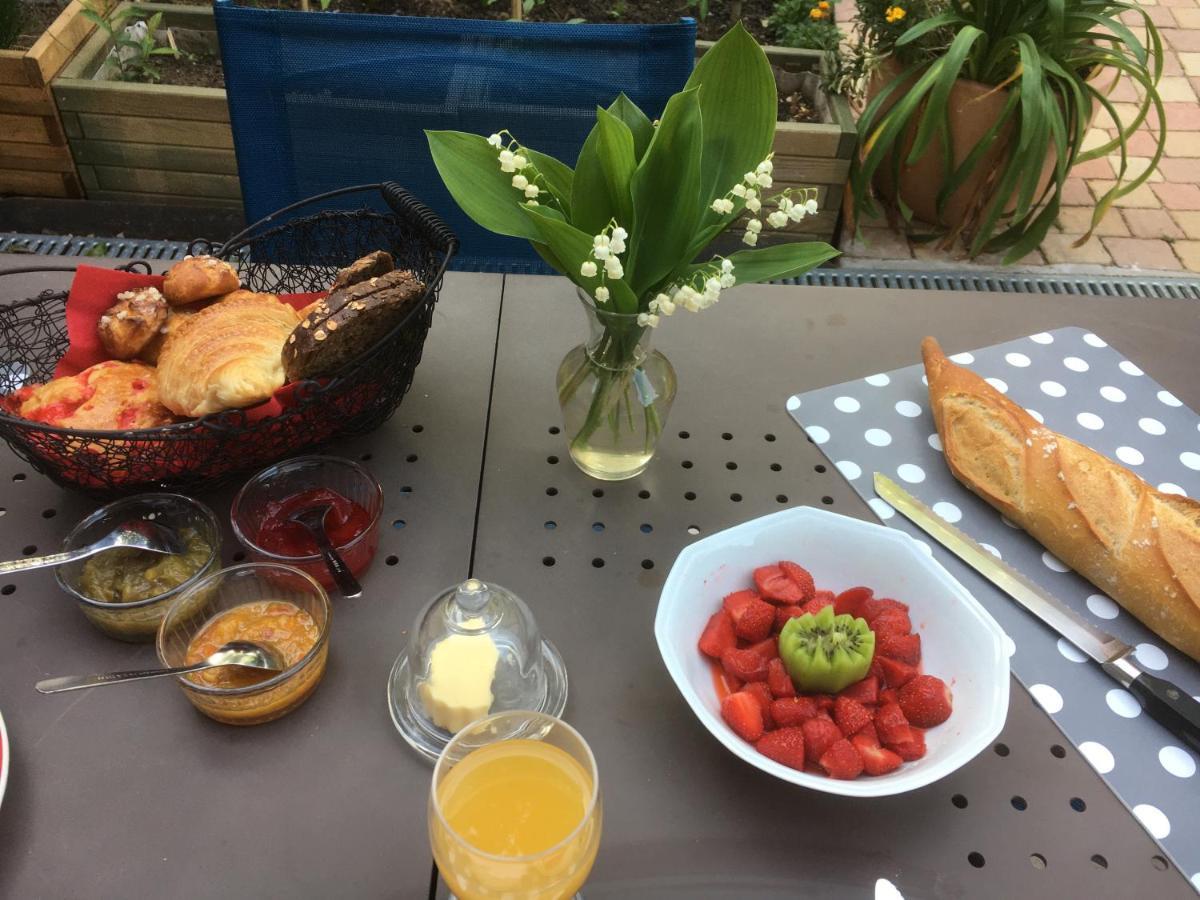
x,y
319,101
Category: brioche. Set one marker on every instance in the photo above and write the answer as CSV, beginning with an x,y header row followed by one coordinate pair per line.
x,y
1136,544
132,322
226,356
109,396
198,278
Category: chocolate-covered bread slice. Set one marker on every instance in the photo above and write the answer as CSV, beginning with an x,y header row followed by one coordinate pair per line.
x,y
347,322
370,266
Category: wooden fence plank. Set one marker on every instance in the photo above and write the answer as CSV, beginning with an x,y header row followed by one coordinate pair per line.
x,y
158,100
139,130
24,129
42,184
35,157
165,199
12,68
810,170
156,156
157,181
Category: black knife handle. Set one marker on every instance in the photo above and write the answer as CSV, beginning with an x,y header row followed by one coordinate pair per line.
x,y
1171,706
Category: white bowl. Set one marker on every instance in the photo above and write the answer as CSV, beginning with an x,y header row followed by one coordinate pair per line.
x,y
960,642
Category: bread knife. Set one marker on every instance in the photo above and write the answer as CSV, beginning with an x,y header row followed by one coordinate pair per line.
x,y
1170,705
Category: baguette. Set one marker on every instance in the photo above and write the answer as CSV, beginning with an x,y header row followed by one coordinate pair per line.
x,y
1138,545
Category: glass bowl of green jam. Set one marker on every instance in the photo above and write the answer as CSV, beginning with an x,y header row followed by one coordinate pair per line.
x,y
125,592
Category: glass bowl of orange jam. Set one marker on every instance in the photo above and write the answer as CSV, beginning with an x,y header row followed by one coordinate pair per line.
x,y
266,603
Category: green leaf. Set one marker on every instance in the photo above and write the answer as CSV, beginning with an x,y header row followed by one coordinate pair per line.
x,y
571,247
558,177
923,28
603,174
935,111
468,166
772,263
639,125
666,194
153,22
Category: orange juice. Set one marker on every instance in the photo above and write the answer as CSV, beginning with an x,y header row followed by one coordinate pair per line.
x,y
511,808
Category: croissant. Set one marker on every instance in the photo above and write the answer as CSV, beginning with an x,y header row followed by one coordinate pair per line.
x,y
1138,545
198,278
226,356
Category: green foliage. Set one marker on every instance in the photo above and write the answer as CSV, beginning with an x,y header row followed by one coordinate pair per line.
x,y
1054,59
793,25
701,7
12,17
133,59
656,181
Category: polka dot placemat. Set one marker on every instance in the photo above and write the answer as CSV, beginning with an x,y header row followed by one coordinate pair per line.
x,y
1076,384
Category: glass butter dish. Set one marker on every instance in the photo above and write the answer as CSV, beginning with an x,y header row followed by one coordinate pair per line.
x,y
474,650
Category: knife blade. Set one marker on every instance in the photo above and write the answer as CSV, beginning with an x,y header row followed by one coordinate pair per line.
x,y
1166,702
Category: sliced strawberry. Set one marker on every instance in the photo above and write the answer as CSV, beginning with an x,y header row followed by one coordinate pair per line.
x,y
736,602
784,746
874,668
777,587
888,695
819,735
826,597
865,691
851,602
868,733
876,760
824,701
742,713
718,635
875,607
895,674
893,621
767,648
783,614
926,701
779,681
842,761
759,691
911,749
905,648
745,665
892,726
815,605
733,683
754,621
850,715
800,577
793,711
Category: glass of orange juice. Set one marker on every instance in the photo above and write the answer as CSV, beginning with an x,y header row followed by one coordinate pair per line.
x,y
515,809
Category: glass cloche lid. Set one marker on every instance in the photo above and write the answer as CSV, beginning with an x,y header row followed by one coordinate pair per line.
x,y
475,649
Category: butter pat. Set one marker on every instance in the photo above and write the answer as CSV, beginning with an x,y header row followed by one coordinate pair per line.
x,y
459,687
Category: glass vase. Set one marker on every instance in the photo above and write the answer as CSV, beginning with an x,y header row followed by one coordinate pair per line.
x,y
615,391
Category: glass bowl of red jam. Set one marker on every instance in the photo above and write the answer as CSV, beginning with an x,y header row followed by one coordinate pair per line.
x,y
263,508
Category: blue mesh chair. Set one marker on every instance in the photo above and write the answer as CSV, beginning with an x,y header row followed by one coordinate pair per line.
x,y
319,101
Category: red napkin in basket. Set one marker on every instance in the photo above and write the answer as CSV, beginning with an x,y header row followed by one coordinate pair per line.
x,y
94,290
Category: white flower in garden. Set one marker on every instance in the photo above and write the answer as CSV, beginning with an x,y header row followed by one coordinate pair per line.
x,y
712,285
612,268
750,238
520,182
754,226
532,203
753,204
797,212
764,181
617,242
600,251
785,203
520,162
726,266
602,294
532,190
751,178
665,306
495,140
723,206
588,269
689,298
739,190
728,280
777,219
766,167
648,319
506,161
751,193
811,207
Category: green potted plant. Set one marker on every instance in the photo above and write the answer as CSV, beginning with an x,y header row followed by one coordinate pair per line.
x,y
977,111
627,226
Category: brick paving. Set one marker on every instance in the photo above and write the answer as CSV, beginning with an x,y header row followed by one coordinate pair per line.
x,y
1157,226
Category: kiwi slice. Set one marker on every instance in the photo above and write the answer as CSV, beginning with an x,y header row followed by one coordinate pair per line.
x,y
826,652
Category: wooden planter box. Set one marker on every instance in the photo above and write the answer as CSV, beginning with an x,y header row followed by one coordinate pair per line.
x,y
148,142
34,158
809,154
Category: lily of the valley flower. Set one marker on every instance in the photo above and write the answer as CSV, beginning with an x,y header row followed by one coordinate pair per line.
x,y
649,319
601,294
588,269
520,182
722,206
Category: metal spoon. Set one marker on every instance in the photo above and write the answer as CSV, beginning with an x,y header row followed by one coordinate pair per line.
x,y
141,534
235,653
313,518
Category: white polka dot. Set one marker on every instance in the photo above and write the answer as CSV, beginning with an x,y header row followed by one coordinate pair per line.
x,y
885,890
1042,338
1053,389
1152,426
1098,755
1151,657
998,384
935,442
1090,421
846,405
1123,703
880,380
1169,487
1020,360
1196,881
992,550
849,469
1131,456
1112,394
1037,415
793,404
1070,651
910,473
1129,368
1047,697
1010,647
947,511
925,548
1177,761
877,437
1152,817
1102,607
1075,364
1093,340
1010,523
882,510
818,434
1191,460
963,359
1052,562
1169,399
908,409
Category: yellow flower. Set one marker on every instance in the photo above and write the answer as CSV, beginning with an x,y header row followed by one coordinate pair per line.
x,y
824,5
816,14
894,14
